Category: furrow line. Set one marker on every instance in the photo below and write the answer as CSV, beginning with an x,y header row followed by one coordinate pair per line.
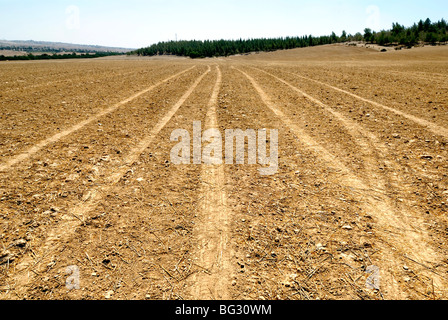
x,y
39,146
26,269
434,128
406,239
213,232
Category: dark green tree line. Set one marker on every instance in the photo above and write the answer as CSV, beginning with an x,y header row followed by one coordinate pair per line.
x,y
215,48
423,31
55,56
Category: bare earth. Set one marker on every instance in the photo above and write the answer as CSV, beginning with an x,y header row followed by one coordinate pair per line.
x,y
86,178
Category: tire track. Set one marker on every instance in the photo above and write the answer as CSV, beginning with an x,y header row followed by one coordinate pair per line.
x,y
434,128
64,230
68,82
46,80
39,146
213,232
399,230
354,129
367,139
371,145
424,75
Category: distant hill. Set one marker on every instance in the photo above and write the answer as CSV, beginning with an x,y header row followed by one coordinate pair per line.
x,y
31,46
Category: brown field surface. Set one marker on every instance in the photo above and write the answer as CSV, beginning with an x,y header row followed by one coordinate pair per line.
x,y
86,178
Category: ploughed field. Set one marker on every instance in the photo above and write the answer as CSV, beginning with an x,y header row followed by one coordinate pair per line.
x,y
356,210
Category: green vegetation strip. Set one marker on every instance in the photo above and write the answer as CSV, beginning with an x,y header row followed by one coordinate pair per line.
x,y
420,33
59,56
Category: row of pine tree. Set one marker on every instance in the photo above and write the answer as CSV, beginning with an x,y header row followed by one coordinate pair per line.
x,y
421,32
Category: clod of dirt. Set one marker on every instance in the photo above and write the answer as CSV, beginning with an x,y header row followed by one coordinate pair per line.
x,y
52,212
6,257
21,243
72,177
109,294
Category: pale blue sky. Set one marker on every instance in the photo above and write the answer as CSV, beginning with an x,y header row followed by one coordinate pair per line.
x,y
138,23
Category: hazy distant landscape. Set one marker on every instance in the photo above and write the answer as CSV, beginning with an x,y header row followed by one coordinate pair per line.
x,y
399,36
19,47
